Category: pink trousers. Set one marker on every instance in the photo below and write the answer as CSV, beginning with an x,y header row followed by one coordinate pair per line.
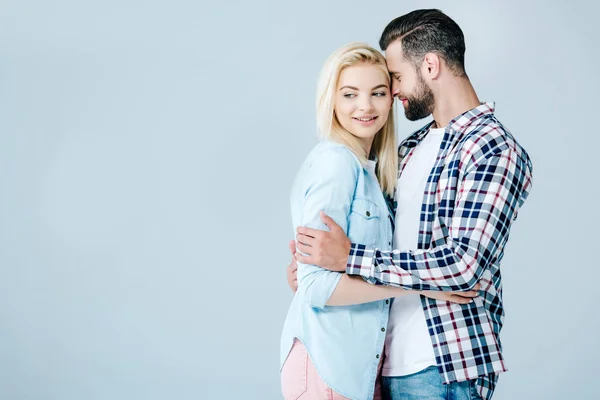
x,y
300,380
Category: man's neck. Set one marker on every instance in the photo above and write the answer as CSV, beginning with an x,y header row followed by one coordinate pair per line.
x,y
457,98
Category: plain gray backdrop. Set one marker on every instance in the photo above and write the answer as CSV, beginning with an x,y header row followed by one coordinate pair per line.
x,y
147,150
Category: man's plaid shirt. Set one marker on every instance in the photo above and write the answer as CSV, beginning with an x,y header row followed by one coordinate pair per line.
x,y
480,179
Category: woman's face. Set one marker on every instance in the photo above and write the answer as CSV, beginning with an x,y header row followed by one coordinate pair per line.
x,y
363,101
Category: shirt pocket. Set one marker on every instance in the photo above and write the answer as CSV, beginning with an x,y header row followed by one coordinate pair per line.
x,y
364,222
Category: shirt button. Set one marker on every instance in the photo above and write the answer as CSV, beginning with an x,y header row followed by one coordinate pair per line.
x,y
368,214
387,302
377,356
382,329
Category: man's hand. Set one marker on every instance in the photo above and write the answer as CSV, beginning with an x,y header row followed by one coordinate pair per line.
x,y
292,274
328,250
454,297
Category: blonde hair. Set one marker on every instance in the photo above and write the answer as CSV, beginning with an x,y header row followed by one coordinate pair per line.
x,y
384,143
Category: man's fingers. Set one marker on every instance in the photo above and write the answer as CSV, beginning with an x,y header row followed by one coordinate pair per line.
x,y
292,246
313,233
304,259
327,220
307,240
304,248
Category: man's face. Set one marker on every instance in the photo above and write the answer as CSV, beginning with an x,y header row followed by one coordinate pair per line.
x,y
408,84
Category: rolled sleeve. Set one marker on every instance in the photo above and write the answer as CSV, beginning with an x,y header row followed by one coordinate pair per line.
x,y
329,186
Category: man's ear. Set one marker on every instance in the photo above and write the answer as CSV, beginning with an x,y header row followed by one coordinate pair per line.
x,y
431,66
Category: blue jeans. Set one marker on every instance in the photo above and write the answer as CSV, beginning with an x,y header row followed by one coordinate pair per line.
x,y
426,385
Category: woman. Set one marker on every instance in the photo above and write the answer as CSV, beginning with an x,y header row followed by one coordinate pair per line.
x,y
334,333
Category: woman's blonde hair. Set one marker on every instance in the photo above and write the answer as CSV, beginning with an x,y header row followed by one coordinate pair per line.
x,y
384,144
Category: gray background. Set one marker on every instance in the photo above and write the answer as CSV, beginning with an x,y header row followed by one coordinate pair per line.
x,y
147,151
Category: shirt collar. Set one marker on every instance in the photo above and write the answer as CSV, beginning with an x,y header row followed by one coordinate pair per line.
x,y
459,123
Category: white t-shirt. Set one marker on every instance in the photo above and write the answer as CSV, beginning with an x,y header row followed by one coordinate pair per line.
x,y
408,347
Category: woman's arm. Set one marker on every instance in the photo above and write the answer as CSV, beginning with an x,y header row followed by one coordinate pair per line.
x,y
354,290
327,184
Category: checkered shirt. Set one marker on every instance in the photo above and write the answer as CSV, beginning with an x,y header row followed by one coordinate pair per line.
x,y
479,181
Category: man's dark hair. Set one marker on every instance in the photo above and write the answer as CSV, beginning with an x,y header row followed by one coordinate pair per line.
x,y
427,31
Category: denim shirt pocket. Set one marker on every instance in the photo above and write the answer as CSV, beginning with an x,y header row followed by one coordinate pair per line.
x,y
364,222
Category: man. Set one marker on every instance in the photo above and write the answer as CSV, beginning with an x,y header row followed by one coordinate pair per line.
x,y
462,179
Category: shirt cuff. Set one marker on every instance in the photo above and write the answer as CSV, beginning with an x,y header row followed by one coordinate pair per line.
x,y
360,261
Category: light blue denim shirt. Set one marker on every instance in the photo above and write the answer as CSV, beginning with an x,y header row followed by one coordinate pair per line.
x,y
345,343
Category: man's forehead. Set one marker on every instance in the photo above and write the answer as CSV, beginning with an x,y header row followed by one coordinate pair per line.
x,y
394,56
394,63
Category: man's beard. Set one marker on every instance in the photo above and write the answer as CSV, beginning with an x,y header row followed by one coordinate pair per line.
x,y
421,104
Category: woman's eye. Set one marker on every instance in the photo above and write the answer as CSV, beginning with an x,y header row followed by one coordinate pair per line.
x,y
349,95
379,94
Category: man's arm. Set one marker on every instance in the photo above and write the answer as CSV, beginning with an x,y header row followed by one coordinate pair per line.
x,y
486,204
353,291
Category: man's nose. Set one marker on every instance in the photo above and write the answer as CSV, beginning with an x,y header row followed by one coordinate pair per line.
x,y
395,88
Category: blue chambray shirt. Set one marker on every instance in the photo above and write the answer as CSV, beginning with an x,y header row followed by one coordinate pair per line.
x,y
345,343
